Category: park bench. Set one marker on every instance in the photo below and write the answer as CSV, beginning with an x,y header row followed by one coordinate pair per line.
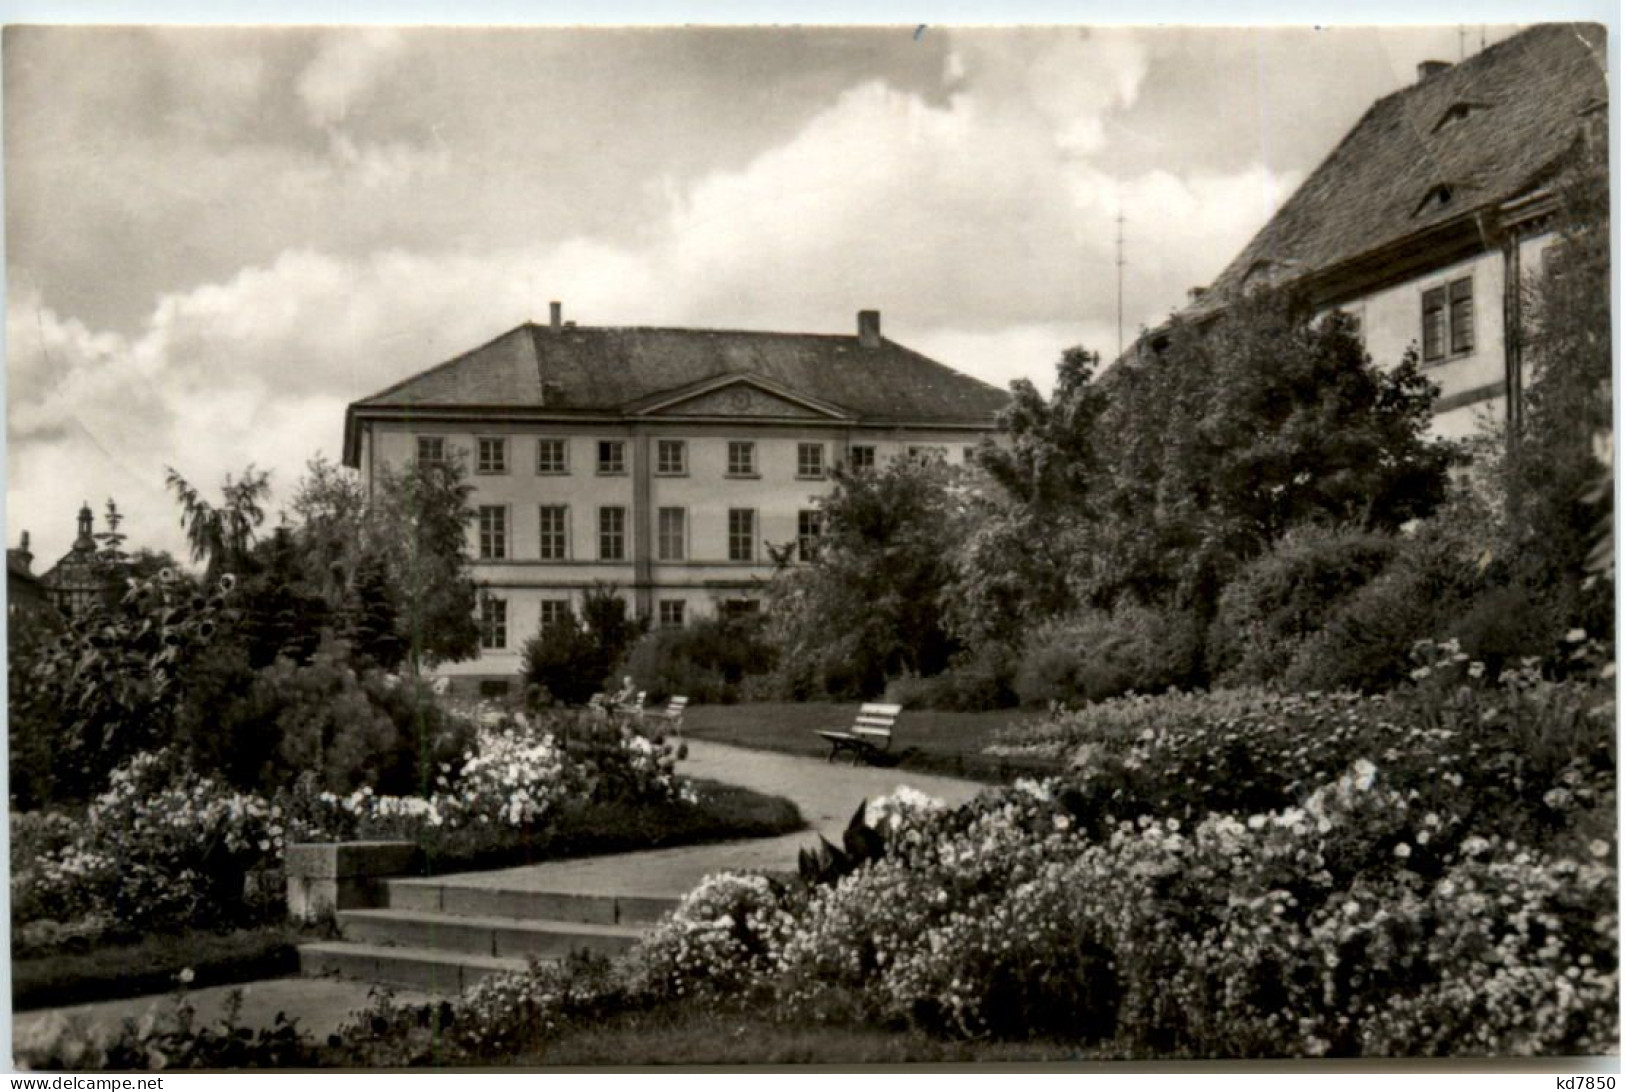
x,y
633,708
673,716
870,736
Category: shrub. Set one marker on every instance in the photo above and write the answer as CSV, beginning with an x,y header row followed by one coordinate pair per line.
x,y
229,725
914,692
516,777
1098,655
562,661
326,722
572,657
706,660
34,729
428,735
724,935
1453,739
1283,597
109,686
1507,623
1436,573
1358,919
350,730
160,848
973,683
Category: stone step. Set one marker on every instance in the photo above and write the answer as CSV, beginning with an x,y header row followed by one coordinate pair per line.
x,y
418,968
444,895
496,936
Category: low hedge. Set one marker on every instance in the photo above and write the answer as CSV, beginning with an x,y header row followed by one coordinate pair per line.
x,y
148,965
721,813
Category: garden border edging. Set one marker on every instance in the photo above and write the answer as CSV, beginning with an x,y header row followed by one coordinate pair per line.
x,y
325,877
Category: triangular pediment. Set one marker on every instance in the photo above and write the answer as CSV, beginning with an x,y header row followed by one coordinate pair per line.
x,y
739,396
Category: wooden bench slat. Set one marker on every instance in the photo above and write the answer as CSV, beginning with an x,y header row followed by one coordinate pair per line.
x,y
870,734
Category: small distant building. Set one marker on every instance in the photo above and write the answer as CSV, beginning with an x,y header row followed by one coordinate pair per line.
x,y
25,592
80,581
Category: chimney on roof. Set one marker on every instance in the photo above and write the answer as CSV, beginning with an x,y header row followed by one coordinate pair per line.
x,y
869,329
24,556
1196,293
1429,69
556,320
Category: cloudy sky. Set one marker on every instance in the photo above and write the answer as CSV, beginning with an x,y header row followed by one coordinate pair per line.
x,y
216,238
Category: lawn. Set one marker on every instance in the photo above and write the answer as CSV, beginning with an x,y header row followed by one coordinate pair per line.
x,y
927,739
692,1035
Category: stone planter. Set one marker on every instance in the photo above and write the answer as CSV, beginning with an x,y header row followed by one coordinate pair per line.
x,y
324,877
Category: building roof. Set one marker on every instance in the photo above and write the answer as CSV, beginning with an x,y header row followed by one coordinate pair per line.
x,y
18,568
1438,152
595,370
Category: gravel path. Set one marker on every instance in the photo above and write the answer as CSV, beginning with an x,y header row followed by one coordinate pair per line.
x,y
826,793
319,1004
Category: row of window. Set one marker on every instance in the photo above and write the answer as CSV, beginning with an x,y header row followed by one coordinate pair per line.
x,y
671,533
672,613
491,456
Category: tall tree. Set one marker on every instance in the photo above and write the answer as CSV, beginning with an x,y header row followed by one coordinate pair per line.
x,y
869,606
417,526
222,534
1269,419
330,508
1154,484
1024,535
374,621
1558,468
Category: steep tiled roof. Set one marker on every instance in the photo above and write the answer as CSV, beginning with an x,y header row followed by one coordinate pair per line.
x,y
1481,131
600,369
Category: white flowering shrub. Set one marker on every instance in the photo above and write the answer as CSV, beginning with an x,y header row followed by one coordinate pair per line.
x,y
164,845
159,847
614,760
1368,917
516,776
728,932
513,777
1514,954
941,865
498,1017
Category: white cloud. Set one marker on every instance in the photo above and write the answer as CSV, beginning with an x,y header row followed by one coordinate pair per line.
x,y
1016,352
346,67
980,225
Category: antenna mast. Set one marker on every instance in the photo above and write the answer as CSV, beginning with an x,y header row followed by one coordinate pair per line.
x,y
1121,262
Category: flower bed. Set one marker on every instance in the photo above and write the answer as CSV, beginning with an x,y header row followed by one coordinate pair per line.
x,y
1251,875
164,847
1431,873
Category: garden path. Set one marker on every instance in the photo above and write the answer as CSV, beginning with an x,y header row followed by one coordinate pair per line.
x,y
826,793
321,1006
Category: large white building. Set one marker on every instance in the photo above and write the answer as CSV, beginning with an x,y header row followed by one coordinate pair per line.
x,y
664,461
1432,212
